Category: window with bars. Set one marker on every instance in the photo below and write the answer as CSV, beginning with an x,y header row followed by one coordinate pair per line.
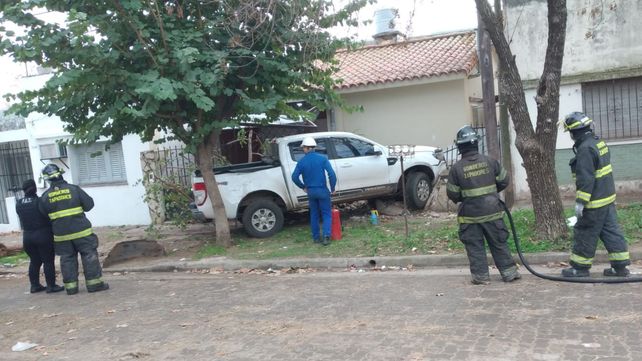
x,y
92,164
615,107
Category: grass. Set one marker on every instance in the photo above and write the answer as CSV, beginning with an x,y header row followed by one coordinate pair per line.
x,y
426,235
15,259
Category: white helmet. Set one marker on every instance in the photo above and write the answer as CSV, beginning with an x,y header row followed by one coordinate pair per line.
x,y
308,142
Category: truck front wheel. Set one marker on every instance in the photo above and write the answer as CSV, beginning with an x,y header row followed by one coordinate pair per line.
x,y
418,189
262,218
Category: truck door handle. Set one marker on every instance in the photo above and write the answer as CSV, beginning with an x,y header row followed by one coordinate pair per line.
x,y
346,165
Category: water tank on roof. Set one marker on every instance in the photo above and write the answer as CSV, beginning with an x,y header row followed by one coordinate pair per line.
x,y
385,22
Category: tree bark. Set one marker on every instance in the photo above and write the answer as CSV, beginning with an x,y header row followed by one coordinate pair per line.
x,y
205,164
536,146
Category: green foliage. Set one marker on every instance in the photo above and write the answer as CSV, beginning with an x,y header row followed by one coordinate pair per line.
x,y
15,259
630,219
426,236
184,67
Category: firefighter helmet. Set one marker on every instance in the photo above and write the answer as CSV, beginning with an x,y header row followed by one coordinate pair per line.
x,y
467,134
576,121
308,142
51,172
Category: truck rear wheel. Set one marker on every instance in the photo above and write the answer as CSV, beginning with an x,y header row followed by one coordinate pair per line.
x,y
262,218
418,189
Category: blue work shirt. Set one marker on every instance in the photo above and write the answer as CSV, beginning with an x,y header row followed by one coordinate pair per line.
x,y
313,166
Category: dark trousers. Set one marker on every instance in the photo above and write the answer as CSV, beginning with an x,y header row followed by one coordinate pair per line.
x,y
599,223
320,207
68,252
496,234
39,246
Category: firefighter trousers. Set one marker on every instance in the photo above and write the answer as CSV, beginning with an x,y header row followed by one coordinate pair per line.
x,y
68,252
496,234
599,223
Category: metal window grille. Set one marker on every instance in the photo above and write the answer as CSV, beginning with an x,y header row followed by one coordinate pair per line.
x,y
615,107
15,168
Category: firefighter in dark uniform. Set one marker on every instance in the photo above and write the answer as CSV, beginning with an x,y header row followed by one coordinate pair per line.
x,y
474,182
594,202
37,240
65,204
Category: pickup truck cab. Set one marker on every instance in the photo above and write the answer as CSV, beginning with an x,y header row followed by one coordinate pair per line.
x,y
259,194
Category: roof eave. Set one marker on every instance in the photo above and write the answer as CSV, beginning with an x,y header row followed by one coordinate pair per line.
x,y
403,83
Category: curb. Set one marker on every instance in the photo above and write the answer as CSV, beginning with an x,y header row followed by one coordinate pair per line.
x,y
420,261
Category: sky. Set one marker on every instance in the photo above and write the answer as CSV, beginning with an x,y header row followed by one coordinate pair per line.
x,y
430,17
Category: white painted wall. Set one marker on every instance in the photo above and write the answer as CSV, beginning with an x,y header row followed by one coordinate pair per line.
x,y
601,36
570,101
115,205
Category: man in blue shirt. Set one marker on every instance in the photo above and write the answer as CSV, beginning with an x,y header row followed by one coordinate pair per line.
x,y
313,167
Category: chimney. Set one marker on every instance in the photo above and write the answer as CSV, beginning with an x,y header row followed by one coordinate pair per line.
x,y
385,26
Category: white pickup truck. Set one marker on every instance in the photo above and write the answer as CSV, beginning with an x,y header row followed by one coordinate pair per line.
x,y
260,193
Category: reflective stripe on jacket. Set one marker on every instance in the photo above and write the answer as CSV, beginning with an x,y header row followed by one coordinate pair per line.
x,y
593,173
475,182
65,204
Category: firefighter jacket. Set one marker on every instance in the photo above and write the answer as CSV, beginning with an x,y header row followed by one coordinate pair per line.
x,y
591,168
30,217
475,181
65,204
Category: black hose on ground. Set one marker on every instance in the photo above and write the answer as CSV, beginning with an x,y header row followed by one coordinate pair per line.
x,y
560,278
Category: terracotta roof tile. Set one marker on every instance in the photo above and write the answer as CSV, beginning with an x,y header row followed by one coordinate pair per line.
x,y
418,58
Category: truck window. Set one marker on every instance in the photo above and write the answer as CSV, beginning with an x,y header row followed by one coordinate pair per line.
x,y
348,148
296,151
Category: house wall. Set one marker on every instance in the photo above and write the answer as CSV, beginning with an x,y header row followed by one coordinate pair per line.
x,y
601,37
602,42
115,205
426,114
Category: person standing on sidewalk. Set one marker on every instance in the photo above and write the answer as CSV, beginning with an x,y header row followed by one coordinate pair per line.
x,y
65,204
474,182
594,202
37,240
313,167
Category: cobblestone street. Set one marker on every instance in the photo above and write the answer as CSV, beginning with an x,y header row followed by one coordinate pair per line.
x,y
395,315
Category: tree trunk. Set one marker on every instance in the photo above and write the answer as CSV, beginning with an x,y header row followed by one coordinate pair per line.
x,y
537,147
205,164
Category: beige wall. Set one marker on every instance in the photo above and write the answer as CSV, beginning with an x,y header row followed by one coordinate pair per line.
x,y
427,114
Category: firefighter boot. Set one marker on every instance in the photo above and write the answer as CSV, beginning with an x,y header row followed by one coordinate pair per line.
x,y
103,286
575,272
480,279
617,272
71,291
510,274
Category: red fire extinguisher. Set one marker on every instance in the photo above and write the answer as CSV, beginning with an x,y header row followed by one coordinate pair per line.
x,y
336,224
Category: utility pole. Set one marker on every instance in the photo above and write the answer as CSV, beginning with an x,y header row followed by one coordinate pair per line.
x,y
488,88
507,161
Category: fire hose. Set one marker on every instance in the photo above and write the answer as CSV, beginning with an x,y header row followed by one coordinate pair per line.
x,y
560,278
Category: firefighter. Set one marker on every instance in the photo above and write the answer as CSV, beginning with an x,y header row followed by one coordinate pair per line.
x,y
37,240
65,204
474,183
594,202
313,167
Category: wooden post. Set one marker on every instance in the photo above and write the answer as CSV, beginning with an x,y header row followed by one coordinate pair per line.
x,y
506,142
488,89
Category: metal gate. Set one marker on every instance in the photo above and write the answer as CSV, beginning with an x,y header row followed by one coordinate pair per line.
x,y
15,168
